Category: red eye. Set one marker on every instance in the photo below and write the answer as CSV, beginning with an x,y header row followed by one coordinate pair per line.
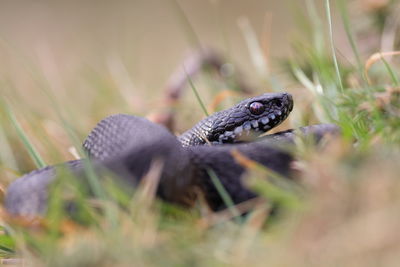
x,y
256,108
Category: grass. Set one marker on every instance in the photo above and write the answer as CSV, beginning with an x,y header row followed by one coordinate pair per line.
x,y
341,211
39,162
329,19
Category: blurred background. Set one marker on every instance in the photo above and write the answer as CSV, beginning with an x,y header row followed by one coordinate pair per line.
x,y
65,65
75,62
68,64
151,36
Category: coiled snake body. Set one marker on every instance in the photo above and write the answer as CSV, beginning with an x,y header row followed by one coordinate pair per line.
x,y
128,145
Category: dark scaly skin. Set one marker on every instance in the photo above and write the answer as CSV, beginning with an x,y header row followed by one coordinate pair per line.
x,y
140,142
116,131
221,161
28,194
268,151
227,126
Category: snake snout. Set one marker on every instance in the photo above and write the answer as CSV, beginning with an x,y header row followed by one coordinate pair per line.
x,y
289,100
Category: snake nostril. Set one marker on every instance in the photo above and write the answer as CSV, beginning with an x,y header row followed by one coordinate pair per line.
x,y
278,103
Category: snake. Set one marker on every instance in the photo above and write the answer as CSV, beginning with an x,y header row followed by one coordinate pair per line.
x,y
128,147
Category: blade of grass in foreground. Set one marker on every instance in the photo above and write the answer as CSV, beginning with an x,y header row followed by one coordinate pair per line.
x,y
380,57
6,154
346,23
42,80
393,76
224,195
256,54
329,18
196,93
317,27
39,162
186,23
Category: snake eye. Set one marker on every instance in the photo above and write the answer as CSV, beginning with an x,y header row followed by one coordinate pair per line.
x,y
256,108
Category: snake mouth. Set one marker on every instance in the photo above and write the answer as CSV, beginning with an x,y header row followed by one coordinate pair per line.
x,y
253,128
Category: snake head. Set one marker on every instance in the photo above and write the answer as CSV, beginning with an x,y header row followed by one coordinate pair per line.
x,y
251,117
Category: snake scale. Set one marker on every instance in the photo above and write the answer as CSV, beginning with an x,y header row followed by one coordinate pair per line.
x,y
127,146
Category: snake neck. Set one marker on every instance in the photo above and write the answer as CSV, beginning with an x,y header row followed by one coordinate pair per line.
x,y
198,134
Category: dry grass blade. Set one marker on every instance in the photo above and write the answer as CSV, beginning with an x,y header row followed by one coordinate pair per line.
x,y
19,262
219,98
144,217
214,218
249,232
189,69
256,53
243,160
146,191
252,165
268,183
375,58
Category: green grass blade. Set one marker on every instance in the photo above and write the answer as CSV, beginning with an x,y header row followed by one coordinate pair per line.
x,y
196,93
37,159
91,175
6,154
346,24
329,18
186,23
317,26
393,76
224,195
